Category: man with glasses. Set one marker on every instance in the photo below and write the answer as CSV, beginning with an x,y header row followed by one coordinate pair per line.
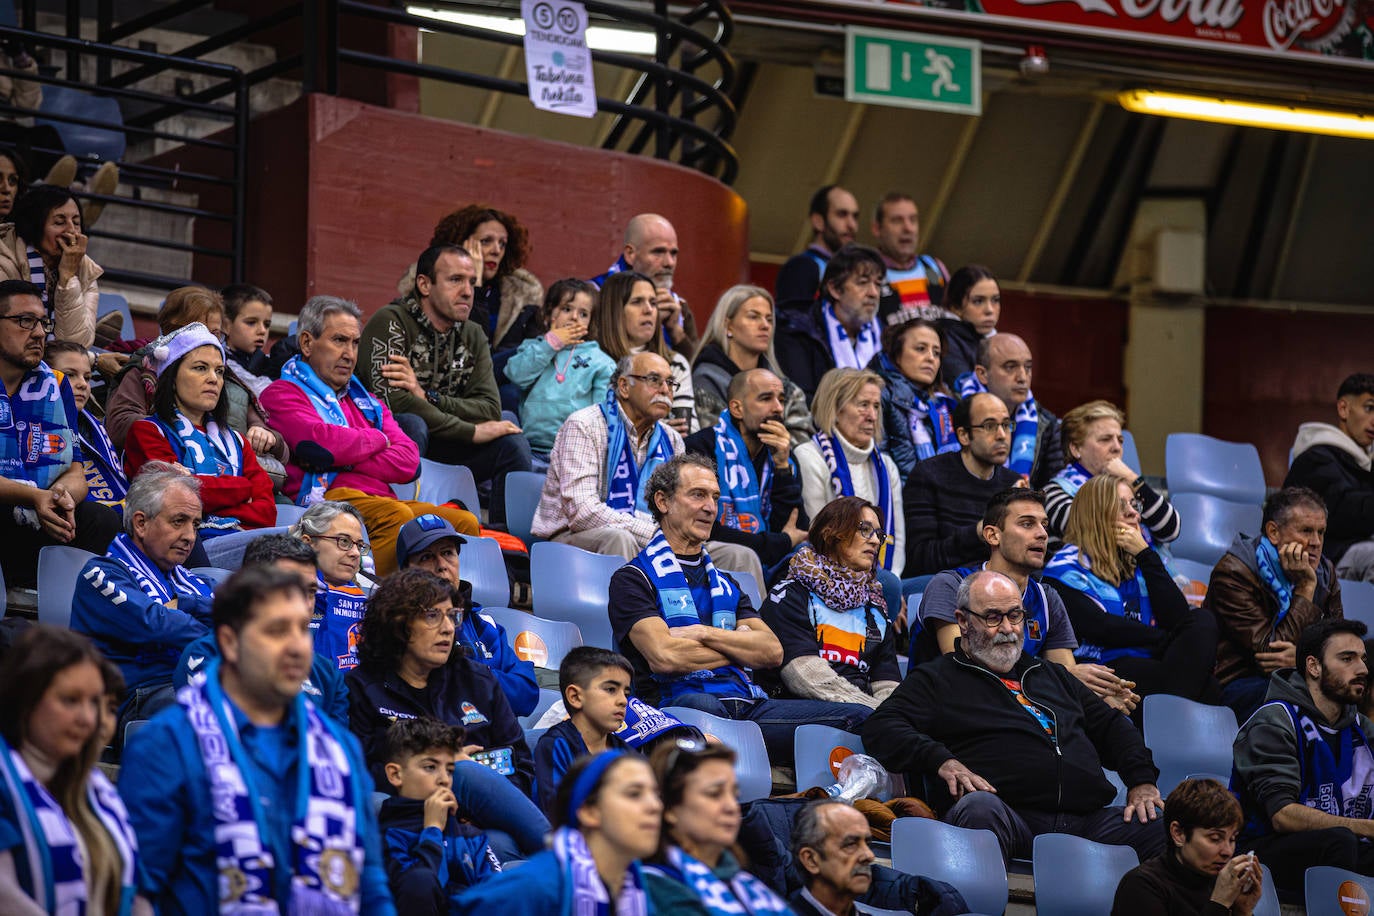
x,y
1002,365
138,602
42,478
1013,744
601,461
945,496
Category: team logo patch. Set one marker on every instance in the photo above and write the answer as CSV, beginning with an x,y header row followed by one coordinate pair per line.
x,y
471,716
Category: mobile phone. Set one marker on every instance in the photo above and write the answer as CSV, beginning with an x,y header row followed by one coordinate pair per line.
x,y
497,759
680,413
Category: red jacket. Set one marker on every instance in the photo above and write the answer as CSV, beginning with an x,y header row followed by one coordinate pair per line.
x,y
247,498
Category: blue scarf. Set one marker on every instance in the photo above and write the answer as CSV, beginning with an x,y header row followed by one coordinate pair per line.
x,y
644,723
38,276
1021,456
48,861
624,480
326,403
1271,571
153,582
105,480
843,485
681,606
743,896
1130,599
1072,478
586,892
211,452
858,354
337,621
326,854
38,432
935,414
745,496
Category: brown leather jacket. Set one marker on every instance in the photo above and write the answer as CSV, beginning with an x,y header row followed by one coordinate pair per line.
x,y
1245,609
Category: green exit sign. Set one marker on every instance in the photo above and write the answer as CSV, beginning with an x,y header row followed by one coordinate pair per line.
x,y
913,70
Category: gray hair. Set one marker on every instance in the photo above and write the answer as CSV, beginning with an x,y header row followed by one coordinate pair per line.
x,y
667,477
963,597
317,310
148,490
623,366
319,517
808,832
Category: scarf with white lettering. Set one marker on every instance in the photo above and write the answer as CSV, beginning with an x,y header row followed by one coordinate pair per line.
x,y
326,850
742,896
326,403
624,479
745,496
861,351
1275,579
589,896
842,484
37,433
105,480
214,451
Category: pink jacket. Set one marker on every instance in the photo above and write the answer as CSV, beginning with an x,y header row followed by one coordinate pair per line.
x,y
369,459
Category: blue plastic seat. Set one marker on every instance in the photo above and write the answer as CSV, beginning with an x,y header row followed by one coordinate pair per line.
x,y
535,639
114,302
749,585
1268,904
441,482
971,860
1210,524
1114,779
59,567
406,490
79,139
1327,889
752,769
523,489
212,574
1357,598
482,564
546,699
288,515
819,751
1186,737
1195,463
532,736
226,550
1077,877
1128,451
1198,572
572,584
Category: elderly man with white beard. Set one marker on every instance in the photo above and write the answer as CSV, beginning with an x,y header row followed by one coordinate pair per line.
x,y
1014,744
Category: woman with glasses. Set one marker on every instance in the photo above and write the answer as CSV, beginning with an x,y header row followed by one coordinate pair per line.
x,y
627,321
843,457
335,531
189,428
838,643
408,667
697,867
606,816
45,245
1125,608
1093,444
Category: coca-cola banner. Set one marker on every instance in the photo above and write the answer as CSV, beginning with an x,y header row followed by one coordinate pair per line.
x,y
1340,30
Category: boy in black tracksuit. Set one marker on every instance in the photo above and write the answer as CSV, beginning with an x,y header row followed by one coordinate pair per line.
x,y
431,856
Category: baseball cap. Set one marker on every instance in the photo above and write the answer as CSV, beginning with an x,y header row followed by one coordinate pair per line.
x,y
420,532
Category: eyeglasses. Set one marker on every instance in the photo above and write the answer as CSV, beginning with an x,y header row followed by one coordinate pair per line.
x,y
1134,504
873,533
346,543
433,618
655,380
29,322
992,426
685,745
993,619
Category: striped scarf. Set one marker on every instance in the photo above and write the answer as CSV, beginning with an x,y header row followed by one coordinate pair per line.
x,y
744,895
105,480
588,893
153,582
861,351
214,451
326,403
1021,455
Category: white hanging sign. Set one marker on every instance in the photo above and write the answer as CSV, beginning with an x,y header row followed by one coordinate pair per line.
x,y
558,64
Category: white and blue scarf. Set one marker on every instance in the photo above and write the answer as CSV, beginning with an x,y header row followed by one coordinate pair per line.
x,y
48,862
38,276
326,850
934,414
211,452
37,433
854,355
153,582
842,483
745,496
1130,599
1271,572
681,606
325,400
744,895
1021,455
588,893
624,479
105,480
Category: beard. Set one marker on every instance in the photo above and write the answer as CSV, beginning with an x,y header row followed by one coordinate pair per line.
x,y
1343,692
998,651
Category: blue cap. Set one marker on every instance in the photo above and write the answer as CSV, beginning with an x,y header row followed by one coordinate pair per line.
x,y
420,532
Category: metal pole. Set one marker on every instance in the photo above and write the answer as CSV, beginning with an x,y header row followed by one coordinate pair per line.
x,y
240,178
662,51
331,46
104,21
310,58
73,31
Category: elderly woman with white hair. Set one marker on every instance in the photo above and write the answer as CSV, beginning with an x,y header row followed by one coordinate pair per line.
x,y
739,337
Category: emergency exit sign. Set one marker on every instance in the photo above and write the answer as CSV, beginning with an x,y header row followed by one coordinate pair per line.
x,y
912,70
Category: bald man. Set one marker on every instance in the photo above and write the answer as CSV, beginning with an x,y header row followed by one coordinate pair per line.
x,y
651,249
1003,367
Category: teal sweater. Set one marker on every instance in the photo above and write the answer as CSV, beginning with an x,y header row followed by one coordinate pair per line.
x,y
546,402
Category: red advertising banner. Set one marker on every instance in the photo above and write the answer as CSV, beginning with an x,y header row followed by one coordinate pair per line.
x,y
1339,30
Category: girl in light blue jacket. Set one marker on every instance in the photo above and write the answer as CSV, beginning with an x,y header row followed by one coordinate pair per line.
x,y
562,370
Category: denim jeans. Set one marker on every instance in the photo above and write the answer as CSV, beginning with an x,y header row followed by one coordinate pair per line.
x,y
778,719
492,803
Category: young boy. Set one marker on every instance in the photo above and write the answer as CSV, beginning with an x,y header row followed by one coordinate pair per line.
x,y
596,688
431,856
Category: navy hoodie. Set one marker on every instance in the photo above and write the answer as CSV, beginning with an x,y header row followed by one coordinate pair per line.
x,y
427,868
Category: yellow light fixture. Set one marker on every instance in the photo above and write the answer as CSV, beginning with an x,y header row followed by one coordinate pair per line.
x,y
1247,114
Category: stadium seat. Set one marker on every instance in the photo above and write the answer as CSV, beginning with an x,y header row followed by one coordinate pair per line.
x,y
1268,904
1186,737
819,751
59,567
523,489
80,139
546,699
292,327
1129,454
441,482
226,551
1357,598
1077,877
970,860
481,564
532,736
1327,889
1120,797
1210,524
114,302
749,585
288,515
572,584
1199,577
1195,463
405,490
212,574
535,639
753,770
